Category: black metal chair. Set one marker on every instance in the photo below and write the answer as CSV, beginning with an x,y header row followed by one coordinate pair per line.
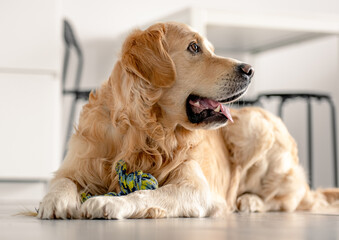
x,y
308,97
72,43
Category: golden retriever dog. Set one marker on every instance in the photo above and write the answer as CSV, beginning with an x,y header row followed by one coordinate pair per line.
x,y
164,110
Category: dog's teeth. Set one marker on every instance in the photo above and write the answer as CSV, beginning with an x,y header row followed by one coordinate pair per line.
x,y
197,104
217,109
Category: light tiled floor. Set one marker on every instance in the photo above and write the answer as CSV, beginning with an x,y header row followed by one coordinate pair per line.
x,y
291,226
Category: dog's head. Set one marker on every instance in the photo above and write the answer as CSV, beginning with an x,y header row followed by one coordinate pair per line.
x,y
195,84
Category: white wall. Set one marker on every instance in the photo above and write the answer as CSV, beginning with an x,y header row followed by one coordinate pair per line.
x,y
309,66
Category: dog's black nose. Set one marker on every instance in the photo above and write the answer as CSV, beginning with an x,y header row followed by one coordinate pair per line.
x,y
246,69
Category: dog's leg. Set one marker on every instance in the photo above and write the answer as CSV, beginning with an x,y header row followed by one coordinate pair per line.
x,y
188,196
62,201
233,189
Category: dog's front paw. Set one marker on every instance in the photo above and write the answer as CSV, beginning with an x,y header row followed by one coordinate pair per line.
x,y
250,203
135,205
59,206
107,207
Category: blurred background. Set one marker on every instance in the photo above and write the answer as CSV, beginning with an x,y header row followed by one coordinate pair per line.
x,y
293,46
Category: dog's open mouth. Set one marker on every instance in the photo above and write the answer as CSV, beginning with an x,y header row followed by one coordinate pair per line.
x,y
202,109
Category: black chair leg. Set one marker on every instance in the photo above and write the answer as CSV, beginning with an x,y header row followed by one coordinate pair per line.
x,y
310,142
334,142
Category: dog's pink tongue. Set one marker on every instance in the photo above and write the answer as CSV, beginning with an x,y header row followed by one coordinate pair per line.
x,y
208,103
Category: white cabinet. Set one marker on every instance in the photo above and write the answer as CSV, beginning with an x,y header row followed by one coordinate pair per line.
x,y
29,140
30,98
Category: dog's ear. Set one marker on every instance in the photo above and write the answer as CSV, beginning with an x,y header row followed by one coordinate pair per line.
x,y
145,53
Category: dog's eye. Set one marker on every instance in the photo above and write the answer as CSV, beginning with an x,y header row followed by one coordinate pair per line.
x,y
193,47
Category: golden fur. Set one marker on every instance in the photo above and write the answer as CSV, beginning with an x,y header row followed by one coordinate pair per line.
x,y
139,115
